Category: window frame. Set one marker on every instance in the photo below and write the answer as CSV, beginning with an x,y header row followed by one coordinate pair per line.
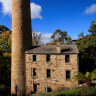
x,y
68,61
35,72
48,58
35,58
68,75
48,74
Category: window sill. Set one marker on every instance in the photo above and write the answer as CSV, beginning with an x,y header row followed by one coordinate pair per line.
x,y
68,63
34,62
48,77
69,80
34,77
48,62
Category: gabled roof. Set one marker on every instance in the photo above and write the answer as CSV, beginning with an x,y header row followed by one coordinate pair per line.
x,y
51,49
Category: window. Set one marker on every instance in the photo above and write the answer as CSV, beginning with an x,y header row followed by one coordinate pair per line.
x,y
67,58
68,75
48,73
45,89
34,71
34,58
31,71
35,88
48,58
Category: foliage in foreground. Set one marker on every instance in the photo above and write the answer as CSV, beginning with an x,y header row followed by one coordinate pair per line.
x,y
86,91
86,78
5,63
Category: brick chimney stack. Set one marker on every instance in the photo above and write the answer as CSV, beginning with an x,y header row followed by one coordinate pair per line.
x,y
21,41
58,48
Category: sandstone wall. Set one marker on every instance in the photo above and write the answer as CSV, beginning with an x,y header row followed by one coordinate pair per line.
x,y
58,72
21,41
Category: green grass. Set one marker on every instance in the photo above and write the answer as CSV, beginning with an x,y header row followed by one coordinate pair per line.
x,y
86,91
91,91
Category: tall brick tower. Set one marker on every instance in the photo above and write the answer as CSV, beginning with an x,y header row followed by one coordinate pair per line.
x,y
21,41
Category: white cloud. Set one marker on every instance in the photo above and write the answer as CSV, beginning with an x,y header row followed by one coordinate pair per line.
x,y
7,9
74,37
46,38
35,11
91,9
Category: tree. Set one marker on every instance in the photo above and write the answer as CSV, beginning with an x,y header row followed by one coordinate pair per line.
x,y
59,36
92,29
87,49
52,43
3,29
5,41
81,35
86,78
69,40
5,62
36,38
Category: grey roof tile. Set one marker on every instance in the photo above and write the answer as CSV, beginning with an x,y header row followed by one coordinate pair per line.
x,y
51,49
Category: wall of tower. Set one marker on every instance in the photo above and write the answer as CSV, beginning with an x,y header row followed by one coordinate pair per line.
x,y
21,41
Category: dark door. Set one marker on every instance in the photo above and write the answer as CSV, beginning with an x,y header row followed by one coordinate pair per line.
x,y
35,88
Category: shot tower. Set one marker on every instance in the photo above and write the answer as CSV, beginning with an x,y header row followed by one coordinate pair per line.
x,y
21,41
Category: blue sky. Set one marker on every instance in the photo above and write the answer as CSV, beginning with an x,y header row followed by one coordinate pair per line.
x,y
74,16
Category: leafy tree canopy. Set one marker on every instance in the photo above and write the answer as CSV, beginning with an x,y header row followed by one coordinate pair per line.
x,y
3,29
87,49
5,62
60,37
92,29
5,41
81,35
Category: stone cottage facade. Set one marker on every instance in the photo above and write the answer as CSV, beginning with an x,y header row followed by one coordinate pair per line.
x,y
50,67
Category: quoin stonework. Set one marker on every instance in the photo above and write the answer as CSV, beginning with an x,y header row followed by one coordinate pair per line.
x,y
37,69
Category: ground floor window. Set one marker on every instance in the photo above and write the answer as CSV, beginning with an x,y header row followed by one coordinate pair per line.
x,y
45,89
68,77
34,88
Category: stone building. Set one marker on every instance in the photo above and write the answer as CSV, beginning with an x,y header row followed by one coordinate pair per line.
x,y
42,68
50,67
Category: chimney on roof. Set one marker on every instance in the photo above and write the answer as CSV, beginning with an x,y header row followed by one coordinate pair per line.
x,y
58,48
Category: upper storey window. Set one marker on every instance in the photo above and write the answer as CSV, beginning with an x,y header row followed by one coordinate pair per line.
x,y
48,58
67,58
34,58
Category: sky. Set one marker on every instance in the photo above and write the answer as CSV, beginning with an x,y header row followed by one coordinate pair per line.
x,y
74,16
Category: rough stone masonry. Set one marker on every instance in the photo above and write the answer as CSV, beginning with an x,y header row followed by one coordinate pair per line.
x,y
38,68
51,67
21,41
